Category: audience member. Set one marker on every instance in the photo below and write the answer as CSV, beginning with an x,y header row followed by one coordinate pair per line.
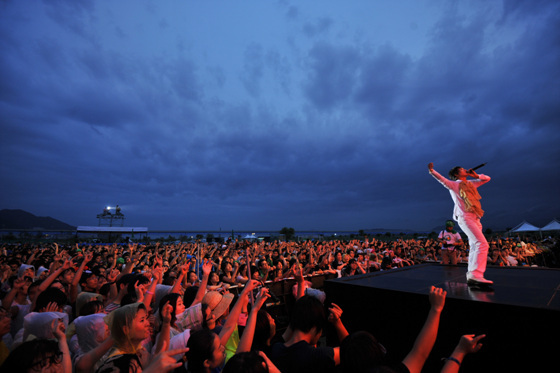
x,y
108,306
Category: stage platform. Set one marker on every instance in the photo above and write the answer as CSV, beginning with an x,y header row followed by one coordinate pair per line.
x,y
520,313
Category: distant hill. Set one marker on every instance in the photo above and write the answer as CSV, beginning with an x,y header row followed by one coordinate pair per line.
x,y
19,219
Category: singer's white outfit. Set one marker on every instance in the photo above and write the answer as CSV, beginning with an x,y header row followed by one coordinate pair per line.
x,y
469,223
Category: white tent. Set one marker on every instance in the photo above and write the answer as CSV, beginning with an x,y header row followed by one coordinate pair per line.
x,y
552,226
525,227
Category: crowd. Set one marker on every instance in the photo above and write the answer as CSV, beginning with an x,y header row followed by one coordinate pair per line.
x,y
161,308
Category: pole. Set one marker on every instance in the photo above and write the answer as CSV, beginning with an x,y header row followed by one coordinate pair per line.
x,y
249,271
198,260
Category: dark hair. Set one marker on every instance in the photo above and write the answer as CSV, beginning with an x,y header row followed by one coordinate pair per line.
x,y
27,354
224,265
454,172
71,269
172,299
129,298
360,352
104,289
212,274
34,284
253,270
246,362
262,331
85,276
308,313
124,280
141,279
91,307
201,348
189,295
50,295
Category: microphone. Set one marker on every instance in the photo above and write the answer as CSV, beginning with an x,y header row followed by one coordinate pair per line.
x,y
477,167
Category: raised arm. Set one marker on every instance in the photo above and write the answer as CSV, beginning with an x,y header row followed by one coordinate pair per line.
x,y
443,180
86,362
60,335
335,312
231,321
301,285
9,298
206,269
246,340
177,286
149,296
164,334
49,280
88,256
334,318
425,341
467,344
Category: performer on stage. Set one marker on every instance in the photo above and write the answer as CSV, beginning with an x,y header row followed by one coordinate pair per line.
x,y
450,240
467,213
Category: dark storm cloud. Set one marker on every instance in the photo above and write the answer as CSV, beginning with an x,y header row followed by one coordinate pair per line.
x,y
305,128
253,69
333,74
318,27
460,98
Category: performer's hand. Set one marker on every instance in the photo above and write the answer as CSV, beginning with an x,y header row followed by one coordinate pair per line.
x,y
472,173
430,166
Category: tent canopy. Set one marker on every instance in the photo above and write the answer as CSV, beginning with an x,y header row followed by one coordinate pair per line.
x,y
552,226
525,227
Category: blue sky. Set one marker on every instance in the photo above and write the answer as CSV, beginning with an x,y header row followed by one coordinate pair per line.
x,y
256,115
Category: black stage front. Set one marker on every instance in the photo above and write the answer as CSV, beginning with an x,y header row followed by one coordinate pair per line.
x,y
519,314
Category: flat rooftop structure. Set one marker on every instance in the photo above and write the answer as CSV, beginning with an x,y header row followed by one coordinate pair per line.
x,y
96,229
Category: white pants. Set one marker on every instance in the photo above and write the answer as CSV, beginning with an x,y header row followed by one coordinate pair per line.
x,y
478,246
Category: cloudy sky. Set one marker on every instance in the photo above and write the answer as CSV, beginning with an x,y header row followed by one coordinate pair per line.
x,y
256,115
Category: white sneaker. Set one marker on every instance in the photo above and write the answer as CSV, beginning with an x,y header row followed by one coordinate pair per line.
x,y
471,280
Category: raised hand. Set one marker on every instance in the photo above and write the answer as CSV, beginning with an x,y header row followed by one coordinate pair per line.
x,y
139,292
469,343
19,283
184,269
112,275
88,257
59,330
157,273
159,261
262,296
67,264
207,267
250,285
437,298
166,312
51,307
164,361
334,313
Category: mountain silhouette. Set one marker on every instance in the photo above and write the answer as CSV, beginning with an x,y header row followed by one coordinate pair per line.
x,y
19,219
